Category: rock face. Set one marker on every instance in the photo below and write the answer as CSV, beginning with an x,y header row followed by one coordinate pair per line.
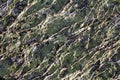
x,y
60,39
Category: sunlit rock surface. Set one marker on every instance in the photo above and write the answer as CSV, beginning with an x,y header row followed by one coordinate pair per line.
x,y
60,39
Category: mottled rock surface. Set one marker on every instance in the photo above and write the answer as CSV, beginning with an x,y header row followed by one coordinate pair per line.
x,y
60,39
